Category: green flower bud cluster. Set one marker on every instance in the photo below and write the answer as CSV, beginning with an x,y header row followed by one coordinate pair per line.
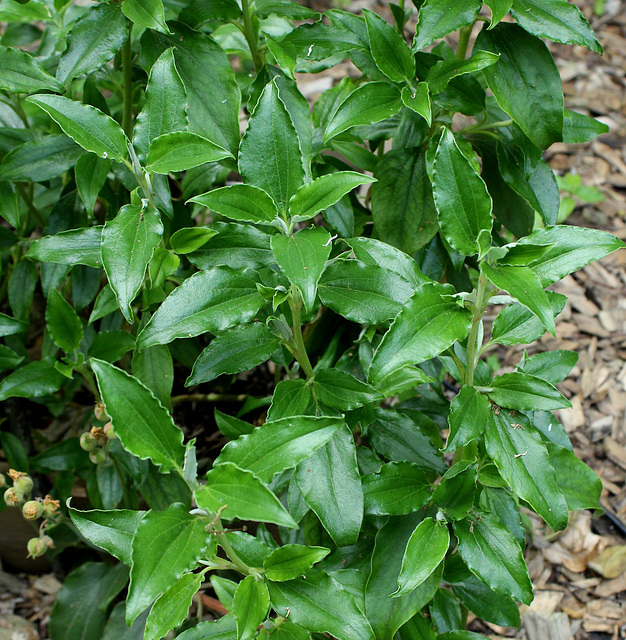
x,y
96,441
33,509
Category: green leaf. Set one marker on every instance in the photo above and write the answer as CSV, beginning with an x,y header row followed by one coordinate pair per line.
x,y
238,493
222,629
238,349
291,398
526,393
572,248
212,300
291,561
21,73
461,635
419,101
165,108
580,484
240,202
76,246
440,74
402,201
478,597
427,325
331,485
149,14
525,287
469,412
370,103
387,614
362,293
225,590
456,492
166,545
206,73
425,550
86,125
579,128
463,202
342,391
128,242
270,156
399,488
40,160
190,239
517,325
171,608
182,150
230,426
303,259
81,606
117,629
279,445
9,359
557,20
525,82
390,51
492,554
112,531
91,175
551,366
250,605
376,253
522,460
198,12
36,379
320,604
499,9
93,40
10,326
143,426
111,345
438,18
63,323
398,438
324,192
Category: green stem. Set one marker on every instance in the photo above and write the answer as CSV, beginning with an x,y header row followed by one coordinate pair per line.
x,y
231,553
127,73
30,206
90,380
250,35
472,341
295,302
210,397
482,126
464,36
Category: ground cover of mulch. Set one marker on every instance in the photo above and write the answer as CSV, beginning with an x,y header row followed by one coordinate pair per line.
x,y
579,575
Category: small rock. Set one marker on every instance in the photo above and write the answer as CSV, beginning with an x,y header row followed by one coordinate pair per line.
x,y
17,628
47,584
10,583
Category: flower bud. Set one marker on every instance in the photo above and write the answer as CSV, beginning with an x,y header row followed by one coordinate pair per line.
x,y
99,435
100,413
47,540
98,456
13,497
24,484
109,431
3,481
88,442
32,510
50,506
36,547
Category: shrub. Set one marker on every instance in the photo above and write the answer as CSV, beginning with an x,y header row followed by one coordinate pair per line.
x,y
347,254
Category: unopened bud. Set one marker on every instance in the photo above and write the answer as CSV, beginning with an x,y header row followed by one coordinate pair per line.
x,y
24,484
13,497
21,481
98,456
3,481
50,506
99,435
100,413
47,540
109,431
88,442
32,510
36,547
